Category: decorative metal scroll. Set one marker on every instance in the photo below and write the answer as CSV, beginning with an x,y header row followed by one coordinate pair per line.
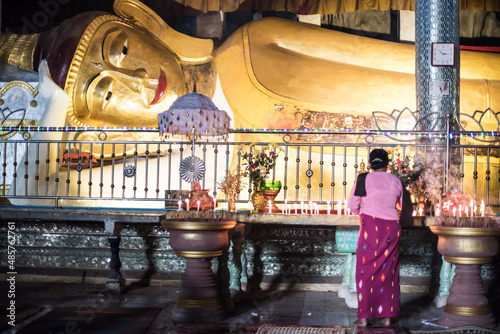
x,y
485,122
10,121
404,121
481,121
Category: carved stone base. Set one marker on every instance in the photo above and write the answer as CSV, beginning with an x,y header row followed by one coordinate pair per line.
x,y
343,291
352,300
467,303
115,286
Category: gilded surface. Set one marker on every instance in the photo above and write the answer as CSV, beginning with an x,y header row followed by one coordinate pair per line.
x,y
18,50
468,311
302,67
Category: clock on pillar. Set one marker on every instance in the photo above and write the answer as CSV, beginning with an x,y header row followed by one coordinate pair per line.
x,y
443,54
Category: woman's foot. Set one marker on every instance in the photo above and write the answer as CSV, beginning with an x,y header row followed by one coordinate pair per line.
x,y
361,322
386,322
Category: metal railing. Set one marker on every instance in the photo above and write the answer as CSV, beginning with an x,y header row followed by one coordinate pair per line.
x,y
313,167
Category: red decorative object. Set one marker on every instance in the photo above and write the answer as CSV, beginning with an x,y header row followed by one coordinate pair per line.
x,y
451,201
201,195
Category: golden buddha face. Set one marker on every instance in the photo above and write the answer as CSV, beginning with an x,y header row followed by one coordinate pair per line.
x,y
126,78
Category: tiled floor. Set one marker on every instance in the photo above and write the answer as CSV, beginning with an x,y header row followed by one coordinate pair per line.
x,y
308,308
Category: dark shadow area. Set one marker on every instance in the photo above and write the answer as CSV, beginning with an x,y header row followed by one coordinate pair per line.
x,y
149,251
493,290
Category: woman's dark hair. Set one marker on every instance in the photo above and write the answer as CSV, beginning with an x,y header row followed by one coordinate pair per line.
x,y
379,158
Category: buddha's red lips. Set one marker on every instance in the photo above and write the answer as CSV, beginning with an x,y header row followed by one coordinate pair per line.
x,y
161,89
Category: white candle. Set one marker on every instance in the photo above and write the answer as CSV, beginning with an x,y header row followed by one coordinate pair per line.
x,y
289,208
460,210
305,205
454,211
482,208
311,206
198,205
339,207
420,210
295,206
302,206
270,207
187,204
328,207
180,205
215,204
438,211
466,211
345,207
471,204
348,211
317,208
284,209
414,213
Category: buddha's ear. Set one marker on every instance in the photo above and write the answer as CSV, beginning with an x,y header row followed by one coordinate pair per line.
x,y
189,49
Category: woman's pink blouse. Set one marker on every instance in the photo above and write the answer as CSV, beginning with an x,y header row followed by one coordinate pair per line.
x,y
383,191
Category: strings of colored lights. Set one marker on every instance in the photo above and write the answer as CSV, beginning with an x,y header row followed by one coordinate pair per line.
x,y
418,134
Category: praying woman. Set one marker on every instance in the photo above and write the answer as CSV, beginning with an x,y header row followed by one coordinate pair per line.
x,y
374,197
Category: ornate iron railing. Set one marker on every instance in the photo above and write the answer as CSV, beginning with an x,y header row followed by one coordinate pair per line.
x,y
146,174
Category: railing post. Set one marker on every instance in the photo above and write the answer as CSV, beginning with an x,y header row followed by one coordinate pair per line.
x,y
447,158
115,283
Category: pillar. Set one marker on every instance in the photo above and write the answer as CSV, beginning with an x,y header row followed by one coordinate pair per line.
x,y
437,77
116,283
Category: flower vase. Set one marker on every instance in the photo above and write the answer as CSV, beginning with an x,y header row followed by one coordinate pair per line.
x,y
231,202
270,190
258,200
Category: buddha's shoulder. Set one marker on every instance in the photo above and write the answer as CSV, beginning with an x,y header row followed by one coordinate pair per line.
x,y
272,29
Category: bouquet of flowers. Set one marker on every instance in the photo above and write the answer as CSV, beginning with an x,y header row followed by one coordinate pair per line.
x,y
407,168
232,182
260,162
433,178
